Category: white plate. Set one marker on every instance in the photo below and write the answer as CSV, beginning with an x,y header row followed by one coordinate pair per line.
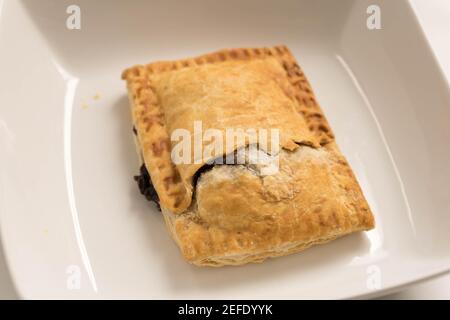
x,y
67,199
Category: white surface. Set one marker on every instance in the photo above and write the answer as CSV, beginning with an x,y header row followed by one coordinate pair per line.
x,y
434,16
130,252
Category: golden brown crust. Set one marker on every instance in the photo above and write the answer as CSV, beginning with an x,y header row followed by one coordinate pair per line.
x,y
244,218
241,216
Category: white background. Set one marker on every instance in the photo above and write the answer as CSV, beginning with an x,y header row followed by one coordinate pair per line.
x,y
434,15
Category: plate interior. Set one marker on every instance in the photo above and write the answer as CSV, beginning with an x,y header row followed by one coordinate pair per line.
x,y
68,197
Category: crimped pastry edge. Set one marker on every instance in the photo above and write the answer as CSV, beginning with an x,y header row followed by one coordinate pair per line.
x,y
254,257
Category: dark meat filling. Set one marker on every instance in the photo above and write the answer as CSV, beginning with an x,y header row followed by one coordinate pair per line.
x,y
146,187
148,190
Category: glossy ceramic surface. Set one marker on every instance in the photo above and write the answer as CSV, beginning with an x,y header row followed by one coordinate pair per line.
x,y
69,205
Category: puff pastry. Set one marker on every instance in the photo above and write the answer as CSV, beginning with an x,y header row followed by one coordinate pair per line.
x,y
231,214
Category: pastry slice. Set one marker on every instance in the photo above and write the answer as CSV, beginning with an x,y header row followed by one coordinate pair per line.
x,y
222,213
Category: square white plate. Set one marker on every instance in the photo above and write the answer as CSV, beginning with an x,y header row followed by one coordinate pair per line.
x,y
70,210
